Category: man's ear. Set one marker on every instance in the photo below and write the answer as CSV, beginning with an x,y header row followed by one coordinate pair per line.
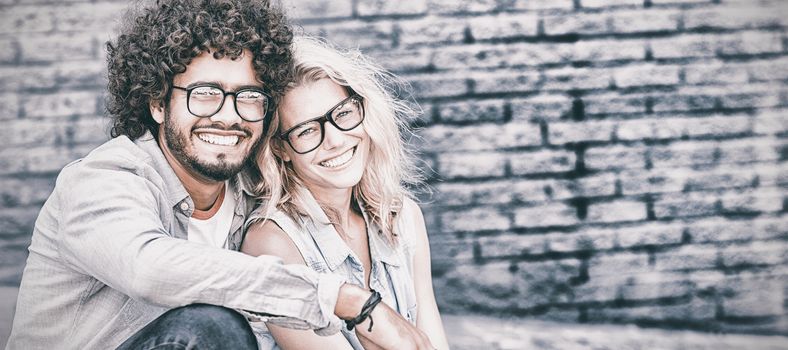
x,y
156,111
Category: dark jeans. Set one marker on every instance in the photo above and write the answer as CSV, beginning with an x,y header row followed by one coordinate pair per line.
x,y
197,326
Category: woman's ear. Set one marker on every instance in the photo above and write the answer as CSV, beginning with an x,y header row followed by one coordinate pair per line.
x,y
156,111
277,148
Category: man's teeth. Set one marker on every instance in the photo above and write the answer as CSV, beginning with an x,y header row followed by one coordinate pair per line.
x,y
218,140
342,159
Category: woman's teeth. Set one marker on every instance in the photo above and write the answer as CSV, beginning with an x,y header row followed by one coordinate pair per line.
x,y
341,160
218,140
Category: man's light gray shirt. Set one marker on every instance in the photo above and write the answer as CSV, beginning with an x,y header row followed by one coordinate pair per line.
x,y
109,254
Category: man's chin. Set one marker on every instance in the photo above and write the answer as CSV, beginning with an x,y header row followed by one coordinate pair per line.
x,y
220,171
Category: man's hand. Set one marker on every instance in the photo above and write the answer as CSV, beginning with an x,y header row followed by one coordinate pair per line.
x,y
390,329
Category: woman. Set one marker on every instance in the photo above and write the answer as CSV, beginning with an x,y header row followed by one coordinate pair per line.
x,y
334,174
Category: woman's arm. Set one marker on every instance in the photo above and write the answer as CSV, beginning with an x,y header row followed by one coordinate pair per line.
x,y
429,320
267,238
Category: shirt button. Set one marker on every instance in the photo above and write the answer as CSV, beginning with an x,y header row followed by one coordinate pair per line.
x,y
184,206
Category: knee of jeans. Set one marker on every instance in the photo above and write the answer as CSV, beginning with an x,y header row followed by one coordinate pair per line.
x,y
215,317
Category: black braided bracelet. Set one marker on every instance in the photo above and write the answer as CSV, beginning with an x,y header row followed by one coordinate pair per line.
x,y
366,310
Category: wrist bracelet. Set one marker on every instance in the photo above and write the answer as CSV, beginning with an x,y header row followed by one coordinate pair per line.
x,y
366,310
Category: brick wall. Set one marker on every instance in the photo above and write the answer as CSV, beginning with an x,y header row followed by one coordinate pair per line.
x,y
601,161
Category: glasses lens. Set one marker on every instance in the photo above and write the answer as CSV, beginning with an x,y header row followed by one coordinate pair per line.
x,y
251,104
204,101
349,115
305,137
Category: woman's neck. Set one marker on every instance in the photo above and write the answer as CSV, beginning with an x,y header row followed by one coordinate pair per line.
x,y
336,203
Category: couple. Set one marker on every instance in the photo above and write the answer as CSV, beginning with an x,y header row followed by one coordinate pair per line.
x,y
127,251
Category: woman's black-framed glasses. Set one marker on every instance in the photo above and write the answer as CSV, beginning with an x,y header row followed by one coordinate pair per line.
x,y
251,104
307,136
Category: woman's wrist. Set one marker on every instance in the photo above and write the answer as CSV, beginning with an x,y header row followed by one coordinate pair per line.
x,y
350,301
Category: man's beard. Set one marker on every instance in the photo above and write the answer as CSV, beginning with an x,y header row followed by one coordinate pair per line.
x,y
221,170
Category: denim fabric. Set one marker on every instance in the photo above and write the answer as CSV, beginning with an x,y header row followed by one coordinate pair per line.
x,y
324,251
109,254
196,326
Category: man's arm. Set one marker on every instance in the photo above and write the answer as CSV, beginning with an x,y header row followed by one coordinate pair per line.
x,y
111,229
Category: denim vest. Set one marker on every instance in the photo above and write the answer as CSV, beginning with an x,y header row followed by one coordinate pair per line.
x,y
324,251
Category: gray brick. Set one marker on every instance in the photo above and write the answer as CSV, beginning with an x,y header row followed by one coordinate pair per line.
x,y
511,245
755,253
9,106
683,100
480,137
646,129
695,310
489,192
720,230
541,107
750,43
91,130
617,211
551,214
471,165
692,45
577,79
431,30
586,23
770,122
718,126
613,103
617,157
534,5
402,60
691,257
770,227
594,186
763,200
650,234
24,193
61,104
732,17
685,205
38,160
503,26
438,85
646,75
617,264
650,20
542,162
773,69
452,6
477,219
655,291
565,132
653,181
720,178
103,16
27,19
319,9
751,95
683,153
491,284
472,111
447,251
584,240
609,3
609,50
765,298
8,50
506,82
57,47
382,7
750,150
535,191
376,35
715,72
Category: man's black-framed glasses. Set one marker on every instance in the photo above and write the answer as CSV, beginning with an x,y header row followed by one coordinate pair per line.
x,y
251,104
307,136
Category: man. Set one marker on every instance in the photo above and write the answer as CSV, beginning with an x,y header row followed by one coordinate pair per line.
x,y
127,251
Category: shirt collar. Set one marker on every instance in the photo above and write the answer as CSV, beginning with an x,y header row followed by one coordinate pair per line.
x,y
332,247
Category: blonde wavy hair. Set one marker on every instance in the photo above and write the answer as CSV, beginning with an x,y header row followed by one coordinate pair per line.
x,y
391,170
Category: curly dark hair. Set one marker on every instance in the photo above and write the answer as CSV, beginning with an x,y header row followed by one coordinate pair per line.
x,y
159,41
